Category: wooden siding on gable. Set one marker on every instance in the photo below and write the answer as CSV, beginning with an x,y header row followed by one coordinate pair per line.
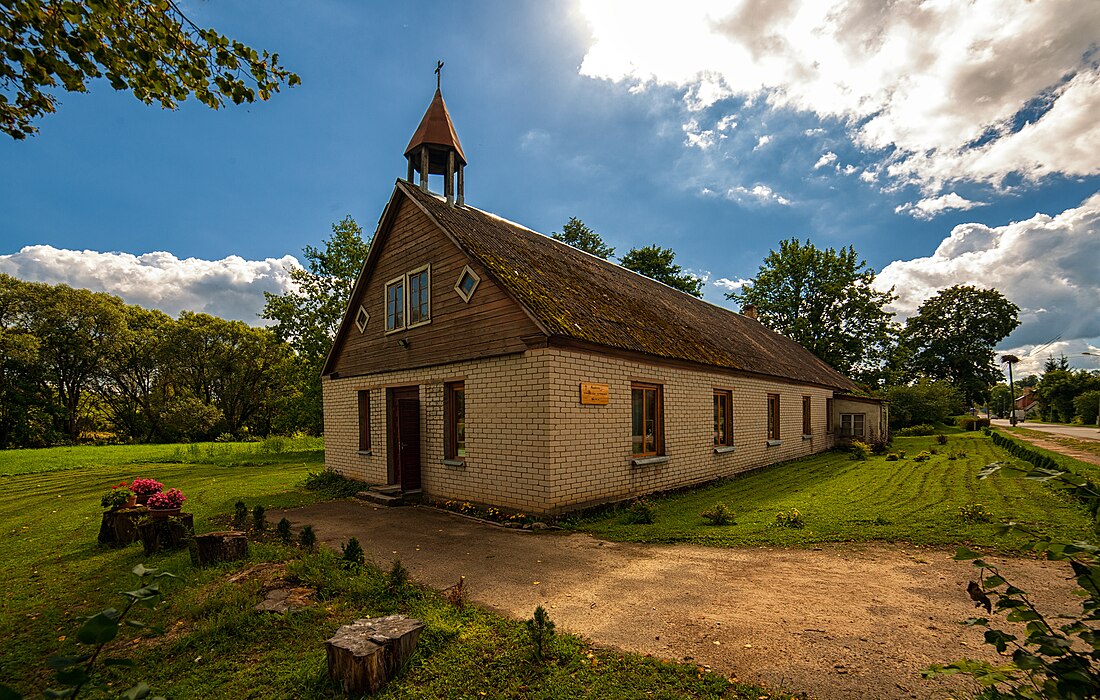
x,y
490,324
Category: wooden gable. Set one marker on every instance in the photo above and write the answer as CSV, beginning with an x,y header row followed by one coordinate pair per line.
x,y
490,323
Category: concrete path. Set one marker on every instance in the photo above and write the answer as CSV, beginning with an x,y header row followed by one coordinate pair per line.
x,y
839,622
1079,432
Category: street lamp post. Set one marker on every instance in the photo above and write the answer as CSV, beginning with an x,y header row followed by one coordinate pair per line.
x,y
1011,360
1093,354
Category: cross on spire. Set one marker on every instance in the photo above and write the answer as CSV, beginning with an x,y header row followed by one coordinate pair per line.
x,y
438,73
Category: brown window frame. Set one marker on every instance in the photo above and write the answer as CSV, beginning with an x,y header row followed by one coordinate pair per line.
x,y
363,400
658,420
773,417
451,449
723,423
807,416
395,308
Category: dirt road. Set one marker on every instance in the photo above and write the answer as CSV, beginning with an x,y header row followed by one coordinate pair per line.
x,y
844,621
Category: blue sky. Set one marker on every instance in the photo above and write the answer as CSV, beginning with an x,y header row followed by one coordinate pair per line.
x,y
717,129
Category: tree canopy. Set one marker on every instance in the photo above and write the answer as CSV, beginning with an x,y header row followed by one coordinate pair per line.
x,y
658,263
825,301
953,334
148,47
576,234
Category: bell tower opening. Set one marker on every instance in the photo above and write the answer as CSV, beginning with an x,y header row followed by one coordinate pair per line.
x,y
435,150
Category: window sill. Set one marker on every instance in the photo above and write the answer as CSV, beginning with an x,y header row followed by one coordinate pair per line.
x,y
724,449
455,463
365,453
649,461
807,437
774,443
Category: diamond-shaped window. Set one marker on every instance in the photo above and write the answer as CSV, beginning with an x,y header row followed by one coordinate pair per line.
x,y
361,318
467,283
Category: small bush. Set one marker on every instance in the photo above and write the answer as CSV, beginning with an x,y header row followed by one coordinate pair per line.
x,y
987,431
880,447
640,512
283,530
791,518
975,513
972,422
240,515
921,430
893,457
332,484
225,437
259,520
307,538
718,514
353,553
941,439
541,630
860,451
923,456
397,580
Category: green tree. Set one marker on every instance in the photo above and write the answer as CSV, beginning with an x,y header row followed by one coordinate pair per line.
x,y
135,385
576,234
952,337
658,263
28,409
924,401
1058,389
148,47
825,300
308,316
1087,405
1000,400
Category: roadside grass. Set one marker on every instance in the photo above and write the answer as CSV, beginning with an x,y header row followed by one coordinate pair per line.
x,y
215,646
1090,446
842,500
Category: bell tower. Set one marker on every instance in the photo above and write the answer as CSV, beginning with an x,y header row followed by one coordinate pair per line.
x,y
434,148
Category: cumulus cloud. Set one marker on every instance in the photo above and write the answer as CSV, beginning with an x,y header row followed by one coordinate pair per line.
x,y
230,288
944,91
756,195
827,159
762,141
731,285
931,207
1048,265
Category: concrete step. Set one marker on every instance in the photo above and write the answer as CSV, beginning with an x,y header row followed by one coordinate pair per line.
x,y
380,499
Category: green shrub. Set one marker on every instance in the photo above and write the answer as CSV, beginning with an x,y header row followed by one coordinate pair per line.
x,y
283,530
790,518
971,422
307,538
259,520
332,485
860,451
975,513
240,515
397,580
922,430
718,514
923,456
892,457
941,439
640,512
540,628
353,553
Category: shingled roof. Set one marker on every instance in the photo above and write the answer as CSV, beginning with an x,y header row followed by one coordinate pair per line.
x,y
574,295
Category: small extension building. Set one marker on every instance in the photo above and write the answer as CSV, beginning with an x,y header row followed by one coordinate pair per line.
x,y
481,361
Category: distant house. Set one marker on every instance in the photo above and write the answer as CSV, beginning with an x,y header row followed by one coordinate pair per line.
x,y
482,361
1027,404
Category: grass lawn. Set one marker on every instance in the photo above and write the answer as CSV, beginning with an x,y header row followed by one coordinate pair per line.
x,y
843,500
215,645
1090,446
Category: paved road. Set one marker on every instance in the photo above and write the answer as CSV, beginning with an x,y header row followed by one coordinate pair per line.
x,y
840,622
1079,432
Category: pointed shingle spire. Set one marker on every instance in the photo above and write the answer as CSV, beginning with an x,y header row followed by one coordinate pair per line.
x,y
434,149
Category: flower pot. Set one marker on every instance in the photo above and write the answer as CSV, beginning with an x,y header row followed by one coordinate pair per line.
x,y
131,501
163,513
143,498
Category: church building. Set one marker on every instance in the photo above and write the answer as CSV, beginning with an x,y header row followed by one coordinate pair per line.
x,y
481,361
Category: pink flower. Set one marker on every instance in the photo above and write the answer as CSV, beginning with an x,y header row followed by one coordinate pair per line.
x,y
146,487
172,498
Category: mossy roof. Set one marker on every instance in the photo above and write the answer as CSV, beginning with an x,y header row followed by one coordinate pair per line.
x,y
578,296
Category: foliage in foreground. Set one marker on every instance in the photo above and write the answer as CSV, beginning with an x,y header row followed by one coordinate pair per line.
x,y
1052,661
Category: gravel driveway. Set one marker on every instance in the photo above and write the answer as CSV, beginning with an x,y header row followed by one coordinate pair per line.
x,y
842,621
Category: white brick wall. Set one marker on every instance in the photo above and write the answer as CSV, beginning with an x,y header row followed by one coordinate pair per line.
x,y
532,446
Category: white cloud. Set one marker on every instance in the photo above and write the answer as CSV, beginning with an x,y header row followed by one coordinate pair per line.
x,y
757,195
698,138
827,159
762,141
726,123
942,87
931,207
1048,265
731,285
1034,356
230,288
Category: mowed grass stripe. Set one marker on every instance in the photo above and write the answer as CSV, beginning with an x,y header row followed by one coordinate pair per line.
x,y
845,500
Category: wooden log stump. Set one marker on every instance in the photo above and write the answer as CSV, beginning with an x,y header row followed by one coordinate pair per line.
x,y
119,527
169,533
365,655
213,547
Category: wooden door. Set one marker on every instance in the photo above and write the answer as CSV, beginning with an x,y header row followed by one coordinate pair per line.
x,y
404,449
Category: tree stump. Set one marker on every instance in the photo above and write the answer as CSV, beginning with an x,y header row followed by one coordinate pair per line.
x,y
119,527
170,533
365,655
214,547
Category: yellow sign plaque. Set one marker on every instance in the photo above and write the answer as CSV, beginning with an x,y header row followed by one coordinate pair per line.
x,y
594,394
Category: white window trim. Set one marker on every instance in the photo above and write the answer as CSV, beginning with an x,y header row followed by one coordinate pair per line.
x,y
404,302
458,285
362,312
852,433
408,303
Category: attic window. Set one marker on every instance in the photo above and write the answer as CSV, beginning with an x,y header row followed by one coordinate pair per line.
x,y
361,319
467,283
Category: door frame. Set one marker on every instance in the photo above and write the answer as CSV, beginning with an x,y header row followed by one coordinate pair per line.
x,y
394,473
